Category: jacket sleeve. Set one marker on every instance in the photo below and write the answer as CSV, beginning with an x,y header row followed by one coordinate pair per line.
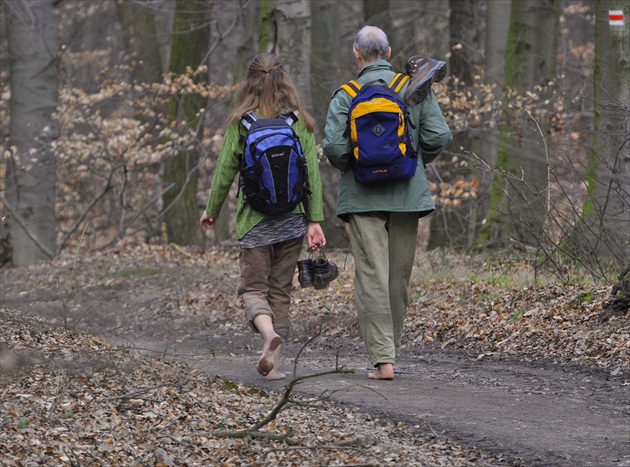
x,y
314,207
336,144
433,131
225,171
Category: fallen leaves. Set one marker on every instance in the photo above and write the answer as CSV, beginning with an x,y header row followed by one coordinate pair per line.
x,y
68,398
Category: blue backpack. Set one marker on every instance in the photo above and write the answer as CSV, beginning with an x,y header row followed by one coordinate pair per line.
x,y
378,130
274,176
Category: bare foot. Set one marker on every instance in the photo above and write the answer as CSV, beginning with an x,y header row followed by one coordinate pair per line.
x,y
384,371
274,375
265,365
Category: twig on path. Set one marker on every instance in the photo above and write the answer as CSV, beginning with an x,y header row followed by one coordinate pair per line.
x,y
253,431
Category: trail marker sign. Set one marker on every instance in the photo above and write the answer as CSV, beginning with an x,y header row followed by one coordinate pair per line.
x,y
615,19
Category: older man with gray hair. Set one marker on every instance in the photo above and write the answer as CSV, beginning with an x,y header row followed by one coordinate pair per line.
x,y
383,217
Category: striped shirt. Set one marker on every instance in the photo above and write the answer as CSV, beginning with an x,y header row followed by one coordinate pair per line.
x,y
275,230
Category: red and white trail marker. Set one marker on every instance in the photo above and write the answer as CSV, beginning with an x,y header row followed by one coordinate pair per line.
x,y
615,18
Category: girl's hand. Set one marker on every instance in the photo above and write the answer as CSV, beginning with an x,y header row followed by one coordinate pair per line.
x,y
206,221
316,236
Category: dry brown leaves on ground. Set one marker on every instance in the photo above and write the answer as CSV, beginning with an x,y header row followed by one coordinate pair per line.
x,y
69,399
552,323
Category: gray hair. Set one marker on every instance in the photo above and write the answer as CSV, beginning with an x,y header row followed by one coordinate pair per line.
x,y
371,42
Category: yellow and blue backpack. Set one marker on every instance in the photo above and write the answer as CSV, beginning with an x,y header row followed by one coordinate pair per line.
x,y
378,130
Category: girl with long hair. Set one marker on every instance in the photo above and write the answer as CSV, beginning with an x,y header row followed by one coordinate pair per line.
x,y
270,245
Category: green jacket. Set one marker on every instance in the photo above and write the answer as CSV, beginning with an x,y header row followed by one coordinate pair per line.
x,y
228,167
430,135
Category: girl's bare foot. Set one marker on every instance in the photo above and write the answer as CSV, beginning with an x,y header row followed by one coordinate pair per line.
x,y
265,364
384,371
274,375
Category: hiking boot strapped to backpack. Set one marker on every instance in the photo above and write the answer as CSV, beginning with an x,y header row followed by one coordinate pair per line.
x,y
378,128
424,71
274,176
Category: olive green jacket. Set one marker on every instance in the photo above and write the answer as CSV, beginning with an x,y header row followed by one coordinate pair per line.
x,y
228,167
430,135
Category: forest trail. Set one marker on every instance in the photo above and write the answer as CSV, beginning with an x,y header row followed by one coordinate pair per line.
x,y
530,413
542,415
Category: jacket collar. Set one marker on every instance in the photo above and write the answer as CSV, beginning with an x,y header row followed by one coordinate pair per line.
x,y
375,65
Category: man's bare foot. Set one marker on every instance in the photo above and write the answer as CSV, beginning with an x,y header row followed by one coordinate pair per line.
x,y
265,364
384,371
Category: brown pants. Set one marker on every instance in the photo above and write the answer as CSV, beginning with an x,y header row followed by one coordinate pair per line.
x,y
266,281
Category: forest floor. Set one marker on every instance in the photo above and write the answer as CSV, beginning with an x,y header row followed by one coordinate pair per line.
x,y
140,356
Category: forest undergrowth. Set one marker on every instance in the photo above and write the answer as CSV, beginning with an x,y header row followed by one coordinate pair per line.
x,y
68,398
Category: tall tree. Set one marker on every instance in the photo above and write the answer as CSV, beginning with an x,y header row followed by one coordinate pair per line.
x,y
246,22
607,210
376,13
518,202
286,31
140,37
30,175
326,52
497,26
453,223
190,44
463,40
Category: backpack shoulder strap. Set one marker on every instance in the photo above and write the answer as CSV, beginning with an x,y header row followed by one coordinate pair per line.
x,y
352,88
398,81
248,119
290,117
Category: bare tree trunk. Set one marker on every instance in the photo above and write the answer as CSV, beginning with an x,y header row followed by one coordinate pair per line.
x,y
141,41
607,210
376,13
497,27
326,52
454,225
464,40
246,47
30,176
288,34
519,197
191,40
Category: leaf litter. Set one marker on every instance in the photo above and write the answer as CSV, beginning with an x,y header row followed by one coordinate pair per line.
x,y
68,398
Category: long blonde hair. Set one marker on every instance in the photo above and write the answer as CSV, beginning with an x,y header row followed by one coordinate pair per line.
x,y
268,88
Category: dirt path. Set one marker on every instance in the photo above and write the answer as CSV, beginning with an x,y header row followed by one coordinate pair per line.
x,y
541,415
530,412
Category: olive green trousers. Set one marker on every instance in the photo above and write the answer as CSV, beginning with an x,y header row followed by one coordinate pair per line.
x,y
383,245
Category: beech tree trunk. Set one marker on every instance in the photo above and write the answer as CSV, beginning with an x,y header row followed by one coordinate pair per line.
x,y
497,26
326,53
519,195
140,37
464,41
190,43
30,175
607,209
